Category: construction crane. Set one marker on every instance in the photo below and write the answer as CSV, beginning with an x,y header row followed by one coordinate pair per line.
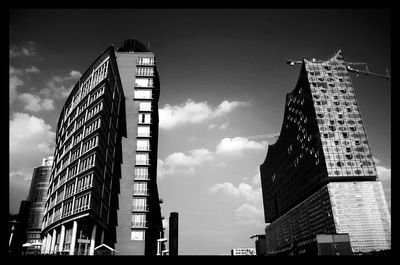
x,y
349,68
262,136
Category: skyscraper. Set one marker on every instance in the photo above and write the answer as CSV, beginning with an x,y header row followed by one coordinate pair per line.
x,y
37,198
103,186
320,177
173,234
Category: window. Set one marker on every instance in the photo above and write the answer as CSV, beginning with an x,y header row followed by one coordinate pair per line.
x,y
82,203
137,235
143,145
141,173
138,220
140,188
145,106
139,204
144,71
142,159
144,82
144,119
142,94
145,61
143,131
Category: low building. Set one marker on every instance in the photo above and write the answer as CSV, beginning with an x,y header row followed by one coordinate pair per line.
x,y
243,252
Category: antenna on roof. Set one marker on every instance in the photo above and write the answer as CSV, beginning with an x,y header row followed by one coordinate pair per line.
x,y
148,45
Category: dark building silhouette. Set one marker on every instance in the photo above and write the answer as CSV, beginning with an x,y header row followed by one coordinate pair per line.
x,y
17,226
173,234
320,177
103,185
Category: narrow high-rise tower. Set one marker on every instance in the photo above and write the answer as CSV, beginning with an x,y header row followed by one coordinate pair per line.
x,y
320,177
173,234
103,186
37,198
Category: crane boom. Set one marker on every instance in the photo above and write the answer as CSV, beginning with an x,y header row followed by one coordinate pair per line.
x,y
262,136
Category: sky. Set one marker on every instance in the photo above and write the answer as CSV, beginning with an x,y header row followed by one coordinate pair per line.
x,y
223,77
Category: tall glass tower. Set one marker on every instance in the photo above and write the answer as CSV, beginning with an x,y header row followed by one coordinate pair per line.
x,y
37,198
103,187
320,177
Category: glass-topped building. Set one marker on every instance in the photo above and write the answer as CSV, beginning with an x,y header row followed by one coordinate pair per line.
x,y
103,186
320,177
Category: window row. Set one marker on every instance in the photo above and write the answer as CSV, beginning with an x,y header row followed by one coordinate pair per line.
x,y
82,203
145,61
140,188
143,94
143,131
144,71
143,145
139,204
84,182
144,82
94,110
141,173
89,144
138,220
145,106
138,235
142,159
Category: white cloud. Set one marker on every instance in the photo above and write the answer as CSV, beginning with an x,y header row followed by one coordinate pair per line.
x,y
224,125
30,135
28,48
221,127
236,146
243,191
248,214
35,104
32,69
59,87
384,173
15,82
179,163
194,113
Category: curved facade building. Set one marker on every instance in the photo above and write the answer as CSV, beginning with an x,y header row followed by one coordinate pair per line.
x,y
320,177
101,165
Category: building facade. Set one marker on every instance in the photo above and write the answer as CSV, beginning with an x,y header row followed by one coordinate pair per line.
x,y
37,198
320,177
103,187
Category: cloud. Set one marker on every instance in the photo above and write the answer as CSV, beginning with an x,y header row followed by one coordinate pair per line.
x,y
236,146
194,113
248,214
255,179
32,69
180,163
243,191
59,87
15,82
221,127
28,48
35,104
384,175
29,134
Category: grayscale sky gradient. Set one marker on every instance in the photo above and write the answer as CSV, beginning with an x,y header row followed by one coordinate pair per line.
x,y
223,76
